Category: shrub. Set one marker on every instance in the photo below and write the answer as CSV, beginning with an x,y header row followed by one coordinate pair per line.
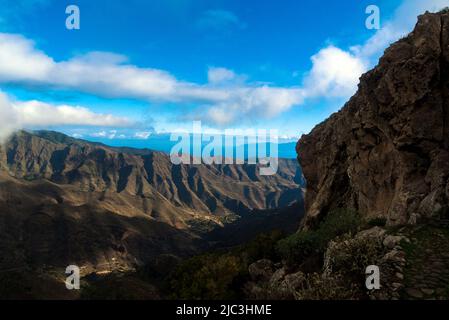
x,y
377,222
221,275
351,257
297,247
262,247
337,223
319,287
210,277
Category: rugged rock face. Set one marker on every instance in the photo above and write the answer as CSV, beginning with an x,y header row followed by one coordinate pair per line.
x,y
386,152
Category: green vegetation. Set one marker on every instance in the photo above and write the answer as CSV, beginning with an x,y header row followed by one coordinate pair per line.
x,y
221,275
326,288
339,222
377,222
351,258
117,286
442,213
295,248
209,277
299,246
31,177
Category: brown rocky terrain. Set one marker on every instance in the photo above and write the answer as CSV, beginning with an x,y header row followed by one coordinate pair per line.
x,y
386,152
64,201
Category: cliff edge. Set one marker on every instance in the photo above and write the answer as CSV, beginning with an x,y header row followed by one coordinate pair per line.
x,y
386,152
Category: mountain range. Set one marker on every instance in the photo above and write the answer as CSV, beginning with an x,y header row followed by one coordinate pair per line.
x,y
67,201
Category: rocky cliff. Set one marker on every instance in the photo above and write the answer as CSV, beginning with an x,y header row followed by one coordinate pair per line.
x,y
386,152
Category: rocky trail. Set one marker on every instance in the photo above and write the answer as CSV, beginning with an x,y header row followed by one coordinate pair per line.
x,y
427,269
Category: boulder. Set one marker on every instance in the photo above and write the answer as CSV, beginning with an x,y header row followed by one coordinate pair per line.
x,y
261,270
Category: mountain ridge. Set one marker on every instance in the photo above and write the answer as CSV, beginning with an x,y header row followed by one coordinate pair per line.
x,y
96,205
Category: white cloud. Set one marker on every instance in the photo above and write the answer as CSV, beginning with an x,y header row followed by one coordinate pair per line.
x,y
20,61
36,113
219,75
15,115
8,119
111,134
335,73
142,135
108,75
100,134
251,103
96,72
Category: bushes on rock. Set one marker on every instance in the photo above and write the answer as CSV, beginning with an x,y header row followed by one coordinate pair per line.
x,y
221,275
351,256
297,247
377,222
337,223
209,277
329,287
262,247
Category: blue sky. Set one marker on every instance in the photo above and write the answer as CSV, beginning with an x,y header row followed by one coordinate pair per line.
x,y
136,67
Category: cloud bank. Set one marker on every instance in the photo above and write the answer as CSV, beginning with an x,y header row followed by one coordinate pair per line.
x,y
15,115
225,99
108,75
